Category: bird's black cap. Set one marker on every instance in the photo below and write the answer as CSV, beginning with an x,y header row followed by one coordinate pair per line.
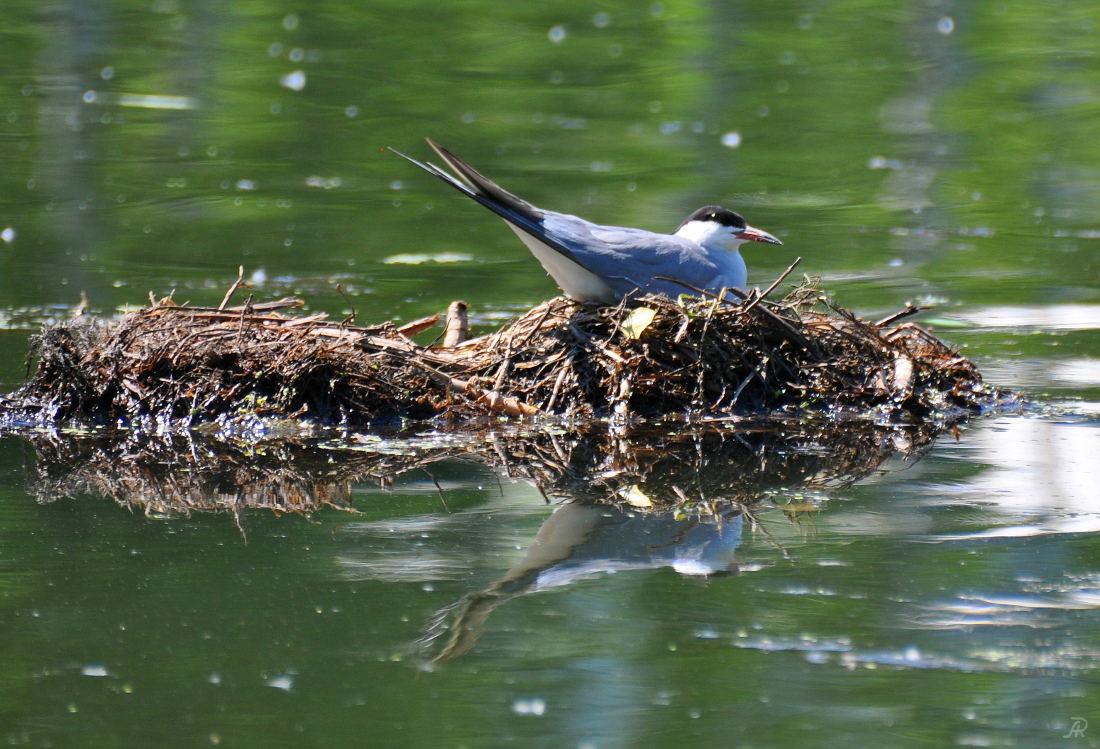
x,y
718,214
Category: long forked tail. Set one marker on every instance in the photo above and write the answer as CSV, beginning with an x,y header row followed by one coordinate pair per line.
x,y
476,185
484,185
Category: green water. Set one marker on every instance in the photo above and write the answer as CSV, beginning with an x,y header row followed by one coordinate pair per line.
x,y
938,152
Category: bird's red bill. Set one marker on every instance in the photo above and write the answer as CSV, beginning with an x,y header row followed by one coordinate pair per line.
x,y
757,235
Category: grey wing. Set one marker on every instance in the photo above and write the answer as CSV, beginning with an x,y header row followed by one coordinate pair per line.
x,y
629,259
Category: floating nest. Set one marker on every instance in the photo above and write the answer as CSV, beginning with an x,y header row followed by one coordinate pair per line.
x,y
652,358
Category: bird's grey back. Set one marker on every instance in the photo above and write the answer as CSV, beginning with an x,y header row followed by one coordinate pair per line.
x,y
629,259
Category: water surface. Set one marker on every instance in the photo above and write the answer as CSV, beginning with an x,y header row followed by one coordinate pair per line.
x,y
939,153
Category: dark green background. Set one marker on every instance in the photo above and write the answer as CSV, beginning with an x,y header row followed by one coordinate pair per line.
x,y
928,151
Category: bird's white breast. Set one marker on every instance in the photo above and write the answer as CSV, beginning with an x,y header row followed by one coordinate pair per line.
x,y
575,281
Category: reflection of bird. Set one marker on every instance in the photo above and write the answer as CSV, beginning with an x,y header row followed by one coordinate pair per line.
x,y
579,541
594,263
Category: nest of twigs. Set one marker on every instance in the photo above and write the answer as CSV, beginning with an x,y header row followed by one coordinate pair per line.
x,y
653,357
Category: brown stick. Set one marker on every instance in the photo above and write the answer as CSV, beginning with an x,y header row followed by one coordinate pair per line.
x,y
235,315
772,288
909,310
289,302
458,324
233,289
410,329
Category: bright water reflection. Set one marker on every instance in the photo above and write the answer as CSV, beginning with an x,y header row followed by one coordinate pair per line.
x,y
945,584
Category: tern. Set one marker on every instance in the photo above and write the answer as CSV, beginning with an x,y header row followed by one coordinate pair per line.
x,y
594,263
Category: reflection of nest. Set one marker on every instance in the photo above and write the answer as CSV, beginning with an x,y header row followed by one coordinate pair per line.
x,y
658,358
179,475
711,476
704,466
649,468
